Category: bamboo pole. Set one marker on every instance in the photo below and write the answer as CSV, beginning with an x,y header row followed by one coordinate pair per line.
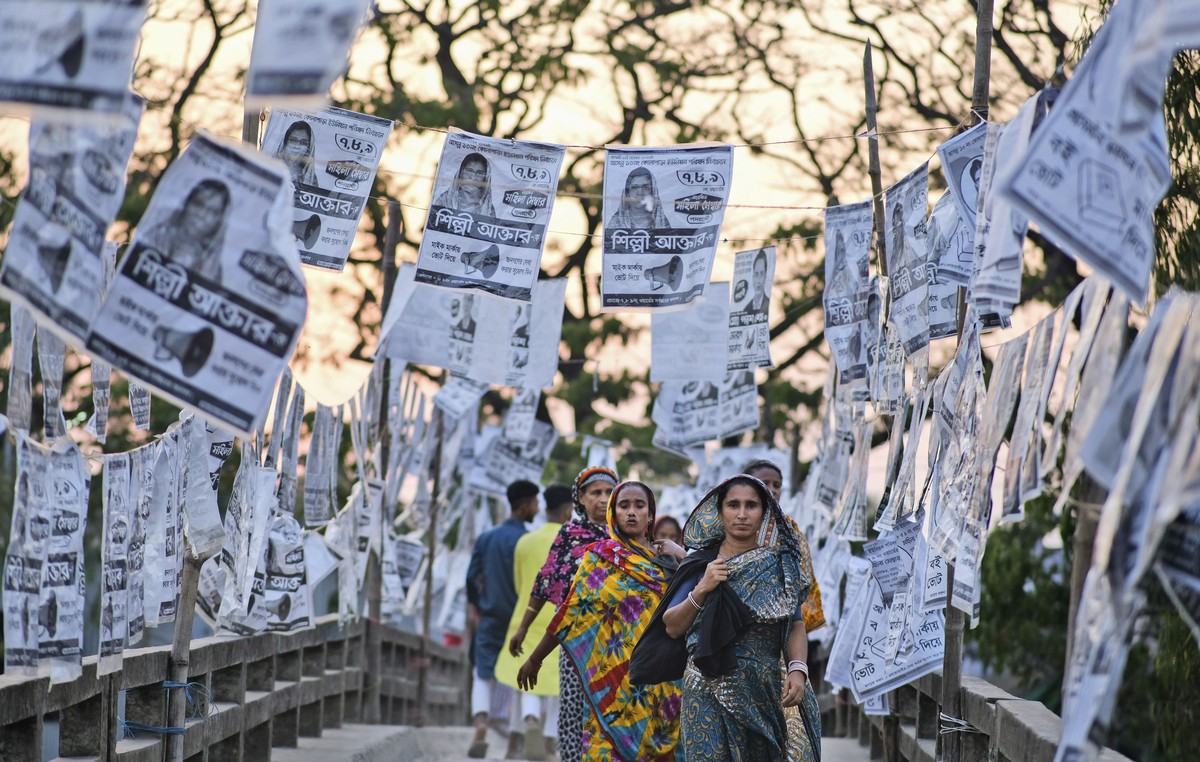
x,y
873,161
952,659
435,469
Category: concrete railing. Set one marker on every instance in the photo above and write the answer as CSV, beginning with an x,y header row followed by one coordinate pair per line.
x,y
1003,728
266,691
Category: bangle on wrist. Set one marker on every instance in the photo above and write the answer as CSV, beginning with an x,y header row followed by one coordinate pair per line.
x,y
798,665
692,601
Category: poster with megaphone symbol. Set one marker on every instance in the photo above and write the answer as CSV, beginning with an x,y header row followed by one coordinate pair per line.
x,y
208,302
486,227
331,155
692,344
54,262
663,209
68,59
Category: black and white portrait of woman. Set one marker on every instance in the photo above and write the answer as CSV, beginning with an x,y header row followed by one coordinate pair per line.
x,y
471,188
194,234
640,208
296,152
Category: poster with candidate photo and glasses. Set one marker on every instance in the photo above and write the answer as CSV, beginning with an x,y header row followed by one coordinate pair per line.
x,y
68,59
486,227
209,299
663,209
331,155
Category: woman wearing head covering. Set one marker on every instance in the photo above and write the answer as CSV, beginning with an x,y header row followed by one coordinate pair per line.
x,y
471,189
590,495
800,741
296,151
612,598
641,208
194,234
737,602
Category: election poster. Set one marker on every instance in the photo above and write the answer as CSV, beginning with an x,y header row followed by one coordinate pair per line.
x,y
208,302
331,156
905,205
750,303
68,59
487,224
54,261
301,48
849,327
692,343
663,209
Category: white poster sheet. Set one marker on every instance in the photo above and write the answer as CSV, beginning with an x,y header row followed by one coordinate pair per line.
x,y
692,343
663,209
209,300
962,168
54,261
847,289
749,307
331,156
487,224
687,413
300,48
504,461
906,204
68,58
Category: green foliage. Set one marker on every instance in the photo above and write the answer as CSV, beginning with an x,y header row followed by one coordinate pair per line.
x,y
1024,603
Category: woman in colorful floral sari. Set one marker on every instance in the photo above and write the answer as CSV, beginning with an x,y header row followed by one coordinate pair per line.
x,y
737,600
590,494
612,599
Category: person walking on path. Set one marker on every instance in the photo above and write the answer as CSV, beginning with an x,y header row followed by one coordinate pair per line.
x,y
612,598
491,598
531,553
737,603
590,494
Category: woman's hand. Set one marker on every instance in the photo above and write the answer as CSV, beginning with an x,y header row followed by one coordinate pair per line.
x,y
518,639
714,574
793,688
528,674
669,548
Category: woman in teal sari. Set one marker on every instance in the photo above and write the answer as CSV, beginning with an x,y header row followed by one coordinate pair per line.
x,y
738,602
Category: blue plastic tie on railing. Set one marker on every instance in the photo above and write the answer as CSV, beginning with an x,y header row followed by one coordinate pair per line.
x,y
197,710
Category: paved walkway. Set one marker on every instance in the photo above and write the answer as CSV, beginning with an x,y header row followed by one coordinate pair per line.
x,y
392,743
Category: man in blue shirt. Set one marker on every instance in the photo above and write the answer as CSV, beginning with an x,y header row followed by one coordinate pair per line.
x,y
491,598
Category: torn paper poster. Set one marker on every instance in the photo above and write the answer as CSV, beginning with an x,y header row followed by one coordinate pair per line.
x,y
663,209
114,561
68,59
848,328
331,155
208,303
487,224
20,370
300,48
749,308
1090,185
55,259
906,206
692,344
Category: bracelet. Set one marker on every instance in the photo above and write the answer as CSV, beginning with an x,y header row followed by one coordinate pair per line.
x,y
798,665
692,601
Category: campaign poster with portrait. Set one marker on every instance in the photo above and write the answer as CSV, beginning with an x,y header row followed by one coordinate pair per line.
x,y
692,344
504,460
68,59
687,413
962,167
848,326
209,299
301,48
739,403
486,227
750,303
905,206
54,262
663,209
331,155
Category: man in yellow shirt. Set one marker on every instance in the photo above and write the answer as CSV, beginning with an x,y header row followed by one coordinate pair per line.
x,y
530,555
